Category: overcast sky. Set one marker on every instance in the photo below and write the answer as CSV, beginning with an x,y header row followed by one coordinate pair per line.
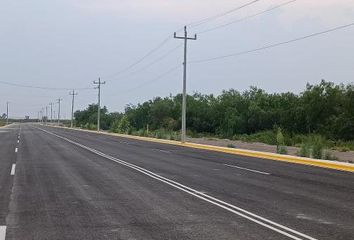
x,y
70,43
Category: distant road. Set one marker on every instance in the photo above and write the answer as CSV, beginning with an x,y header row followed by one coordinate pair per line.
x,y
64,184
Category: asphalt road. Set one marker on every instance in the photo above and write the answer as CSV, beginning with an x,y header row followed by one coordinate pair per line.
x,y
77,185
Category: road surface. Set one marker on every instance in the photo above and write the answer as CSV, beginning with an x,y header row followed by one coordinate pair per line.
x,y
65,184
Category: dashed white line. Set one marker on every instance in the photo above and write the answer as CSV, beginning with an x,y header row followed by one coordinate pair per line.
x,y
247,169
13,169
16,150
279,228
2,232
160,150
18,141
164,151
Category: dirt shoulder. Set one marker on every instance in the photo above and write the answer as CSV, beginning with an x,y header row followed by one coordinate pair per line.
x,y
342,156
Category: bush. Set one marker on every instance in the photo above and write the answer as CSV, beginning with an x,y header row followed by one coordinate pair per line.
x,y
122,126
305,150
329,156
283,150
317,147
89,126
159,134
230,145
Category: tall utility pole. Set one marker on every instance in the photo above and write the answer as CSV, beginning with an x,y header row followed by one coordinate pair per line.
x,y
7,113
41,115
51,112
99,83
46,115
73,94
58,101
184,102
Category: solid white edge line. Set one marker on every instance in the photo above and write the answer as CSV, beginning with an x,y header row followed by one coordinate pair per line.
x,y
16,150
247,169
2,232
13,169
229,207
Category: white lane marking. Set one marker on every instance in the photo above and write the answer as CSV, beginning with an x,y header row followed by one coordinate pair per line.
x,y
13,169
164,151
16,149
2,232
247,169
160,150
291,233
18,141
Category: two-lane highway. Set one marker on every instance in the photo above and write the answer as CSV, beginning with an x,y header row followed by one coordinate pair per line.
x,y
77,185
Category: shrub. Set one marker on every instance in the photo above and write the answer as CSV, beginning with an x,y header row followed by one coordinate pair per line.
x,y
317,147
327,155
283,150
230,145
305,150
122,126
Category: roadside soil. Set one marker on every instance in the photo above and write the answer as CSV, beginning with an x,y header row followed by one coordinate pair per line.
x,y
342,156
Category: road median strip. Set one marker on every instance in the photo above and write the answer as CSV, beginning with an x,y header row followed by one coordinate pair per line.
x,y
348,167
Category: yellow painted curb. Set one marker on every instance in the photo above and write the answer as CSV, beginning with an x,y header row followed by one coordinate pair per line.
x,y
348,167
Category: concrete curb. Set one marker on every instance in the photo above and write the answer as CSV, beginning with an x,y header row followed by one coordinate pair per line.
x,y
348,167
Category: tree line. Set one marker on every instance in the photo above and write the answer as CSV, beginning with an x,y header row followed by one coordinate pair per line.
x,y
326,109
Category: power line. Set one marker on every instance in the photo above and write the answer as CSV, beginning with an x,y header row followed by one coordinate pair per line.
x,y
153,80
208,19
273,45
155,61
247,17
193,24
40,87
139,60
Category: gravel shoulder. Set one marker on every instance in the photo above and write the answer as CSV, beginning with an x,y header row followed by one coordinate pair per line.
x,y
342,156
